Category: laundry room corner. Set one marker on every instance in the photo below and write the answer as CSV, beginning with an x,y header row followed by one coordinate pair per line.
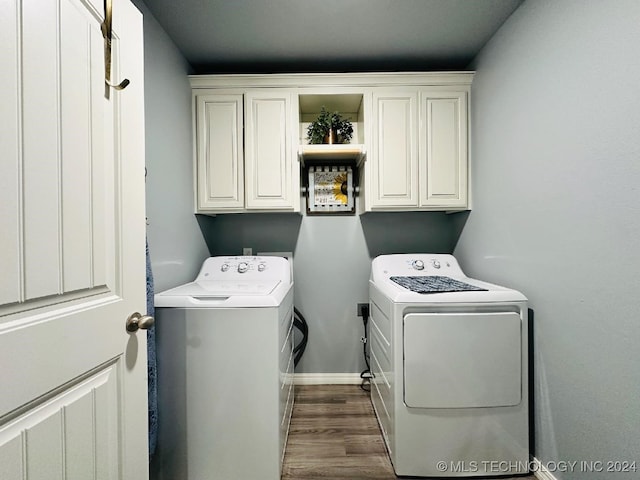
x,y
176,246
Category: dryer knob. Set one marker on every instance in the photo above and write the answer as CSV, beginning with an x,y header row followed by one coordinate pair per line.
x,y
224,267
261,267
243,267
436,264
418,264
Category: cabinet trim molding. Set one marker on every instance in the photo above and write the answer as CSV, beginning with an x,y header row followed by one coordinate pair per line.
x,y
294,80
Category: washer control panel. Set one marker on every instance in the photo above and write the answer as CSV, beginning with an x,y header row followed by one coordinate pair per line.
x,y
245,268
242,265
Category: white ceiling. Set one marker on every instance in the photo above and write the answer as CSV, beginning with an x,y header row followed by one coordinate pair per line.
x,y
268,36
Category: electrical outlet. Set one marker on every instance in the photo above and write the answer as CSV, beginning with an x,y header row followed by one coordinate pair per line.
x,y
247,251
363,309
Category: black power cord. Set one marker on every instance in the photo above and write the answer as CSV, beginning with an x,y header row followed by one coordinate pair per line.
x,y
366,374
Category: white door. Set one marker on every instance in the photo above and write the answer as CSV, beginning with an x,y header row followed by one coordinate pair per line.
x,y
72,380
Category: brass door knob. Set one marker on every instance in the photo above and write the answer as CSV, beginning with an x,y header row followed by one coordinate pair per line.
x,y
137,321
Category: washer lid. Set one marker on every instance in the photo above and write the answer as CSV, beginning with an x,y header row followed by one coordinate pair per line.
x,y
222,288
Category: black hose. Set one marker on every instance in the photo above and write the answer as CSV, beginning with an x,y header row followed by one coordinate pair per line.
x,y
366,373
301,324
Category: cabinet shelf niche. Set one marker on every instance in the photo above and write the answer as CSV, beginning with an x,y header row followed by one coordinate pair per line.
x,y
350,106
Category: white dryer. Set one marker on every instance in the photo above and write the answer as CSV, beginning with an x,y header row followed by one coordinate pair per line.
x,y
449,358
225,371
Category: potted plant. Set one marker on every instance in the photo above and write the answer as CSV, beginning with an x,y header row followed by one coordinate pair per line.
x,y
329,128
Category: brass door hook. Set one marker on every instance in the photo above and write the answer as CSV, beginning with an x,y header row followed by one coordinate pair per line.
x,y
107,33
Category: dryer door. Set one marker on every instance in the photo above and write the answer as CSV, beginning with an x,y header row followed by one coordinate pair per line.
x,y
462,360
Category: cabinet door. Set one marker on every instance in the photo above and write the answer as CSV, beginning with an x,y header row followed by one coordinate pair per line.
x,y
271,181
219,168
395,151
443,149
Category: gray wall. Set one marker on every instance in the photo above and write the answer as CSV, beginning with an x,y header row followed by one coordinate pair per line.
x,y
556,175
332,262
175,242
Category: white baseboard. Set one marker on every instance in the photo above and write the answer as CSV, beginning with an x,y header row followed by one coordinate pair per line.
x,y
540,471
326,379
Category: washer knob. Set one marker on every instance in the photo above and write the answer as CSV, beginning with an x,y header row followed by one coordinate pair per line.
x,y
418,264
243,267
261,267
224,267
436,264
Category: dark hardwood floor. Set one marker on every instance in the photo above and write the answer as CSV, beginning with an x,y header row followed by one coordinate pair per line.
x,y
334,435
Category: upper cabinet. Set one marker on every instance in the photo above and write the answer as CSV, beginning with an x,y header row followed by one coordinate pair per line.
x,y
410,142
245,154
419,157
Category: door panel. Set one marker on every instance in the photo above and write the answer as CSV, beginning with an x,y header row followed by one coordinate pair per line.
x,y
220,151
40,149
462,360
10,239
443,148
73,214
77,82
69,435
395,159
271,179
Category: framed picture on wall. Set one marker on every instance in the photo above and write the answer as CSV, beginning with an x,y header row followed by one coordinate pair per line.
x,y
331,190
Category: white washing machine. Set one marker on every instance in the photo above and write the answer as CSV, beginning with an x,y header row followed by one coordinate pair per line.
x,y
225,371
449,357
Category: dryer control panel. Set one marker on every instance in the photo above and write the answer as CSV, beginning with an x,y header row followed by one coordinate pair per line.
x,y
415,264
